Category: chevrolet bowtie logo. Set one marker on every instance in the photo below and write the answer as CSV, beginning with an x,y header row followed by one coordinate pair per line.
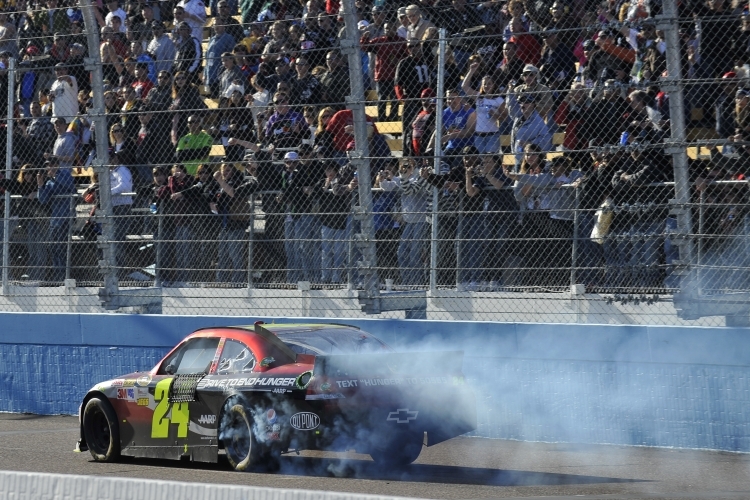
x,y
402,416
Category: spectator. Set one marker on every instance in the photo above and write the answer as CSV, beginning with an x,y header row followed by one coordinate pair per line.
x,y
459,123
64,94
387,49
230,75
423,125
152,144
573,112
417,24
306,88
324,142
511,69
121,187
234,210
195,146
558,17
403,27
161,48
114,11
647,118
490,111
541,93
63,149
528,125
129,113
220,46
53,187
39,130
189,55
225,18
605,120
32,216
186,100
159,98
181,210
458,18
205,224
50,20
724,105
413,244
557,67
335,82
284,127
142,57
195,16
411,78
142,84
334,211
302,261
235,121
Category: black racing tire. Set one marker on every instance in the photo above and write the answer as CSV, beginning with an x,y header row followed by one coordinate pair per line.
x,y
236,434
399,450
101,430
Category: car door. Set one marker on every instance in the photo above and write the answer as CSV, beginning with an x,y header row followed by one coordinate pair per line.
x,y
172,400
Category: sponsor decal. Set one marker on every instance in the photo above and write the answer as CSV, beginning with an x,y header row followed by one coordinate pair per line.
x,y
304,421
142,401
207,419
141,392
271,416
314,397
219,350
128,382
127,394
370,382
249,382
346,383
117,382
143,380
402,416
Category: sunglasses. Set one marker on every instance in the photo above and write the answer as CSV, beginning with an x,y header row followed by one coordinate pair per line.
x,y
180,78
115,130
280,101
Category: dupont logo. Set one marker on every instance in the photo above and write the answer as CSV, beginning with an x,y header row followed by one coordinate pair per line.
x,y
207,419
402,416
304,421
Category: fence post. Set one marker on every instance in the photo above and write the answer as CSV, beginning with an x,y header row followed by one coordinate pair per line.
x,y
8,174
250,243
101,165
360,158
438,157
676,145
159,245
69,249
574,256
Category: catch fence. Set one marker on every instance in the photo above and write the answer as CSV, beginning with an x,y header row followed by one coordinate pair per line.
x,y
464,161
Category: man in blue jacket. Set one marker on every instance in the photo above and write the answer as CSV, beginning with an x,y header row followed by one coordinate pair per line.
x,y
53,188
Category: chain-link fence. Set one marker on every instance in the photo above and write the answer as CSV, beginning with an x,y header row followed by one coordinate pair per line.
x,y
525,161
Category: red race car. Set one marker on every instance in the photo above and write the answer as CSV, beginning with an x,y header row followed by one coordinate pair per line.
x,y
262,390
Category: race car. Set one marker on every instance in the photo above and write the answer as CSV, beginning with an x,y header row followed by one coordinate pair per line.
x,y
262,390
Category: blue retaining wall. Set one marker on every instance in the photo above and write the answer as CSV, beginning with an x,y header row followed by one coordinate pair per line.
x,y
633,385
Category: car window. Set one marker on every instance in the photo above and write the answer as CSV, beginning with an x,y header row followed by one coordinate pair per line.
x,y
236,357
194,356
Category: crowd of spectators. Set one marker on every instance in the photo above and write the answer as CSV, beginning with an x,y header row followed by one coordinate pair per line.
x,y
552,130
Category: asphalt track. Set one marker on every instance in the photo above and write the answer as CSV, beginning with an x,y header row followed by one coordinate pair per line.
x,y
463,468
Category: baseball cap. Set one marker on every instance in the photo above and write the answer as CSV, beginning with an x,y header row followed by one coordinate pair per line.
x,y
157,24
530,68
362,24
291,155
588,45
426,93
730,74
401,11
743,92
234,88
527,98
377,8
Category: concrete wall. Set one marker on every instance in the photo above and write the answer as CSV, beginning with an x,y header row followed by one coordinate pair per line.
x,y
657,386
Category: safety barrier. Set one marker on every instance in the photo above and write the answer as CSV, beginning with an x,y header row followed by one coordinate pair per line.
x,y
685,387
32,486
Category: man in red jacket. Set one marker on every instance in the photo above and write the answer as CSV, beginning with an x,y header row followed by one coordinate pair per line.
x,y
389,49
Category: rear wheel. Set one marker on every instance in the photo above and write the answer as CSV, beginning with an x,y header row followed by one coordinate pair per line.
x,y
398,450
237,436
101,430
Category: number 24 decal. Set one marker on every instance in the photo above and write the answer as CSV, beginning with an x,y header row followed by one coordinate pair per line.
x,y
180,414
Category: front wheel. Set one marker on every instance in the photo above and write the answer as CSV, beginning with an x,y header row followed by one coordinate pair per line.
x,y
398,450
237,436
101,430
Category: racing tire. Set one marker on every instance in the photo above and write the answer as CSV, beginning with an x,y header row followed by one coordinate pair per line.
x,y
101,430
399,450
236,434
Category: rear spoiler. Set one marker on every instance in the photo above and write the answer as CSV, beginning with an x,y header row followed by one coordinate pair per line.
x,y
392,364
